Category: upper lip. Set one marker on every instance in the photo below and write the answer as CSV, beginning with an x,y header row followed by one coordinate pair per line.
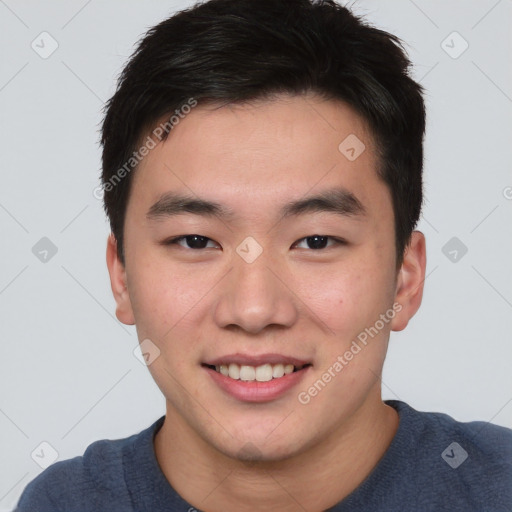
x,y
256,360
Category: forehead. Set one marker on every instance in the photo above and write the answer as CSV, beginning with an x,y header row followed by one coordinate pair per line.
x,y
269,150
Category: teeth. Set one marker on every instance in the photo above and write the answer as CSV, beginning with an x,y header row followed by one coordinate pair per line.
x,y
262,373
277,371
288,368
234,371
247,373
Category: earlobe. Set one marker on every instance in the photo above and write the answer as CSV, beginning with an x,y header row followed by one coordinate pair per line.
x,y
124,312
411,277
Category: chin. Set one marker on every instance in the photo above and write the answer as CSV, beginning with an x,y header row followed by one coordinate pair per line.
x,y
250,453
260,447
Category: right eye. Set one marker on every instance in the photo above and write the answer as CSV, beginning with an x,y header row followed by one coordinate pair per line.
x,y
195,242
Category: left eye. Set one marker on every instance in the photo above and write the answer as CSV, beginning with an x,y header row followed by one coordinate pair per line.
x,y
316,242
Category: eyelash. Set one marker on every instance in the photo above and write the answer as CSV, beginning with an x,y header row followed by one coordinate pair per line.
x,y
176,240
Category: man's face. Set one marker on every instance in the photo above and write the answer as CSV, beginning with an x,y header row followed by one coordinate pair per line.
x,y
258,287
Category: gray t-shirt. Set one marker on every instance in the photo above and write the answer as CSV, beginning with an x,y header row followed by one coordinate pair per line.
x,y
434,463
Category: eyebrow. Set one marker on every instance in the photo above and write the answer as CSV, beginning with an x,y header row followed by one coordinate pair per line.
x,y
339,201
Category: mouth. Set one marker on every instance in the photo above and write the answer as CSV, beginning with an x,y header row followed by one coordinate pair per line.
x,y
257,378
262,373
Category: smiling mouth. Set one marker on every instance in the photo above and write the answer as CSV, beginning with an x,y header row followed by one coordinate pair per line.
x,y
261,373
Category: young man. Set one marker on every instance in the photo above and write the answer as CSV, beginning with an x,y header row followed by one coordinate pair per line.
x,y
262,173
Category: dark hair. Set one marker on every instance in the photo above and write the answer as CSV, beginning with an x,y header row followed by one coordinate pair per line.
x,y
235,51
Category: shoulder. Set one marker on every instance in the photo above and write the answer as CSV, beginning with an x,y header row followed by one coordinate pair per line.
x,y
464,462
92,481
482,441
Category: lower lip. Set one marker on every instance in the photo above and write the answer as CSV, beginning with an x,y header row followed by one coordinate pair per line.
x,y
254,391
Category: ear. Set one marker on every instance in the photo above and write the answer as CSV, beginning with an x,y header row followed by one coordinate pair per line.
x,y
117,273
409,286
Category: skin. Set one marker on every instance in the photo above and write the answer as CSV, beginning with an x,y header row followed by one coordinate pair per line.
x,y
217,452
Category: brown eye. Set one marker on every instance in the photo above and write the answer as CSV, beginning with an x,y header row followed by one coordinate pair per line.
x,y
196,242
317,242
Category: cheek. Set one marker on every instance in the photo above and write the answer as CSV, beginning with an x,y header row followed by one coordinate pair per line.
x,y
347,300
165,301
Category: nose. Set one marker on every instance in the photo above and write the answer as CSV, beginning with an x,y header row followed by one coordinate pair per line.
x,y
254,296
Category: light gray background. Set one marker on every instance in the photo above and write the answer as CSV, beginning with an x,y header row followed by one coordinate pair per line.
x,y
68,375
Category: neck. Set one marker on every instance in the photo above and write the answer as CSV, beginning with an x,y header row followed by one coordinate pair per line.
x,y
315,479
